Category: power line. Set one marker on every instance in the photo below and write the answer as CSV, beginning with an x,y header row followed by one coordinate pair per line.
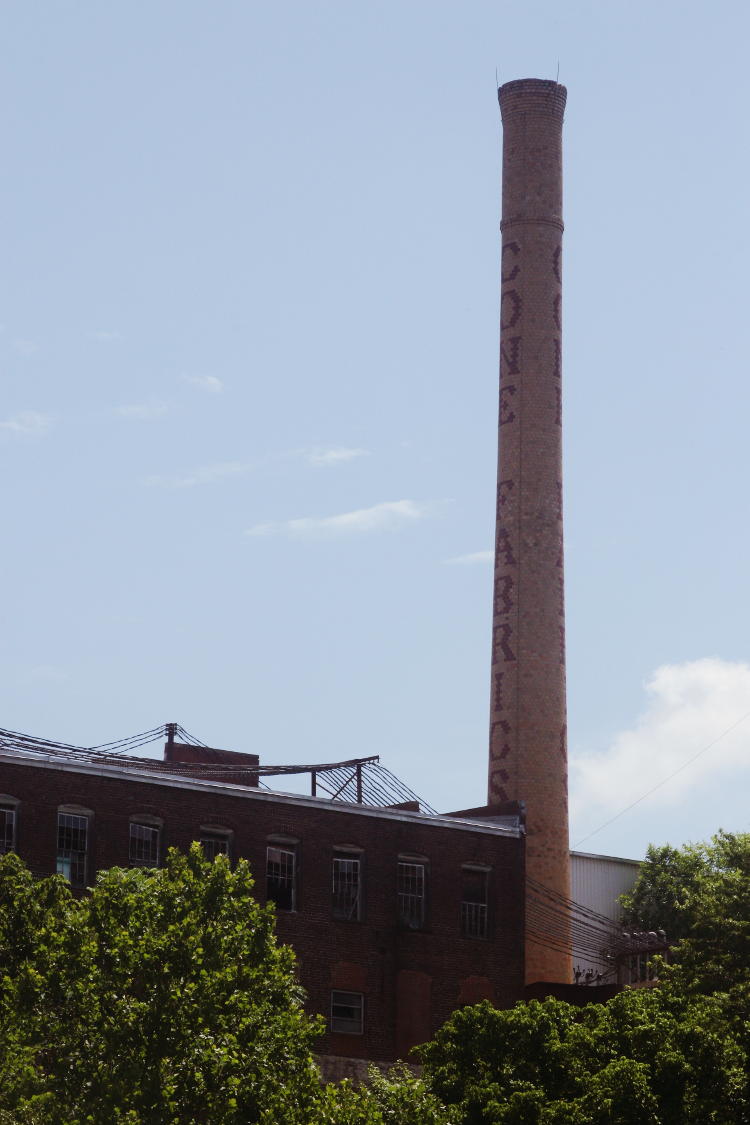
x,y
664,781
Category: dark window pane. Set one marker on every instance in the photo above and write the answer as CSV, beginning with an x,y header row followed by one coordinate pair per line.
x,y
144,845
474,903
346,887
411,883
214,843
7,828
347,1012
72,845
280,880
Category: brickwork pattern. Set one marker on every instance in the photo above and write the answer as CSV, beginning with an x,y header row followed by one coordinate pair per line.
x,y
411,980
528,746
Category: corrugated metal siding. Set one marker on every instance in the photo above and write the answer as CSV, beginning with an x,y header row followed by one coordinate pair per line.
x,y
597,881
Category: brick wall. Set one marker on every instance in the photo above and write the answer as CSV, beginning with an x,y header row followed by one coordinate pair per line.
x,y
411,980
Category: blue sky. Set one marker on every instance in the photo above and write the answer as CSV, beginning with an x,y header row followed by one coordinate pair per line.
x,y
248,375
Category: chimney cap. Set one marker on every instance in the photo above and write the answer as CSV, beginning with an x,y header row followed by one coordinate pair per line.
x,y
542,97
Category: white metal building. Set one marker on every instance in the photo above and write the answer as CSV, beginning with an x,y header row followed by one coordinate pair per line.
x,y
597,881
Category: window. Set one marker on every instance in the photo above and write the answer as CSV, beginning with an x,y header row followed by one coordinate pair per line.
x,y
145,842
411,885
347,898
7,826
347,1012
281,876
72,847
216,841
475,884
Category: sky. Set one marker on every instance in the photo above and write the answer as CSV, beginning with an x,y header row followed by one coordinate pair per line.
x,y
248,387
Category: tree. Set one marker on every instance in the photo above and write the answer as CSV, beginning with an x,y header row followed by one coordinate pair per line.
x,y
161,997
645,1058
674,1054
700,895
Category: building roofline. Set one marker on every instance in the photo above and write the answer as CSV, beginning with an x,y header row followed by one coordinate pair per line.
x,y
174,781
611,858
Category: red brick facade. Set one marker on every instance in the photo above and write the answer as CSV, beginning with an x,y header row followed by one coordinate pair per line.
x,y
528,751
409,979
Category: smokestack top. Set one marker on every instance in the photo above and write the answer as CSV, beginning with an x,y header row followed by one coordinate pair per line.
x,y
538,96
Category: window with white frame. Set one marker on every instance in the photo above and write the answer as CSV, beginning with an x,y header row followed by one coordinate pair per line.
x,y
145,843
346,900
347,1012
474,899
72,846
8,825
411,892
281,875
216,841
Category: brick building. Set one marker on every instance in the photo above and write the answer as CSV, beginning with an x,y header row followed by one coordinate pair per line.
x,y
397,916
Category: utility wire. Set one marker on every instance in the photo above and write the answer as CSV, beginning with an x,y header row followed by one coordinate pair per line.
x,y
664,781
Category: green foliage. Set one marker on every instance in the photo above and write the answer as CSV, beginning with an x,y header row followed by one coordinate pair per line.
x,y
162,997
705,892
646,1057
395,1098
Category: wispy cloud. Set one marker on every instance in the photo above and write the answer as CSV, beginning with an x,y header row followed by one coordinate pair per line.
x,y
209,383
327,458
380,517
26,423
44,673
105,336
470,560
25,347
692,712
206,474
143,411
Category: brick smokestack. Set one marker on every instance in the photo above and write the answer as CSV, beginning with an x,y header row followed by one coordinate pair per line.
x,y
528,746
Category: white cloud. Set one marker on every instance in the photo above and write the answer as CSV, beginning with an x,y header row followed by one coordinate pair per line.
x,y
380,517
469,560
208,383
104,336
143,411
207,474
325,458
26,422
696,708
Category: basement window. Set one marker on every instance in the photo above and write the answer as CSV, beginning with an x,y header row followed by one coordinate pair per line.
x,y
347,887
474,896
72,846
281,876
347,1013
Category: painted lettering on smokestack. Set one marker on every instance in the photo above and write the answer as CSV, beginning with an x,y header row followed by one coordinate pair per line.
x,y
528,745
